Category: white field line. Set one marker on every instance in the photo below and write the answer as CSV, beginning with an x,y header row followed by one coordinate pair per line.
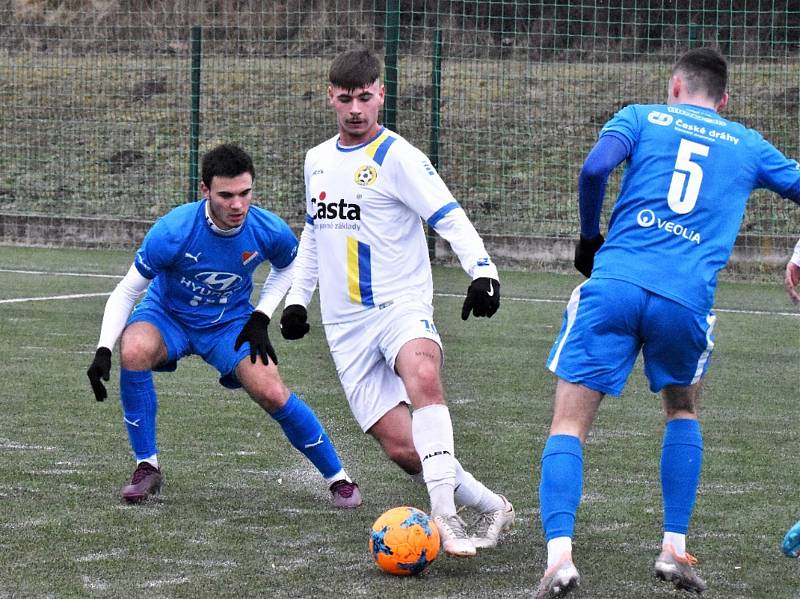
x,y
52,297
60,274
511,299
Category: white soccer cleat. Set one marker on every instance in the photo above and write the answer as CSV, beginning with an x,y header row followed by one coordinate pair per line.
x,y
678,570
453,531
559,580
490,525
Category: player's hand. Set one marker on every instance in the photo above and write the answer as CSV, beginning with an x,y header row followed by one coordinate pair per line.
x,y
100,368
255,333
294,322
483,298
791,281
585,250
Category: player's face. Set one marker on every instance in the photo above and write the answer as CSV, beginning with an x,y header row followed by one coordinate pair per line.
x,y
357,112
229,199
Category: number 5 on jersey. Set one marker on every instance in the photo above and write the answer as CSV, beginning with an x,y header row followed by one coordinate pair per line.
x,y
686,178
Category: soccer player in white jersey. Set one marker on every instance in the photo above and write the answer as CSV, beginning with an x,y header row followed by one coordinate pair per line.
x,y
792,279
197,264
689,173
363,242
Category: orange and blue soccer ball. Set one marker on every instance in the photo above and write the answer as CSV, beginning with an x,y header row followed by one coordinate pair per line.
x,y
404,541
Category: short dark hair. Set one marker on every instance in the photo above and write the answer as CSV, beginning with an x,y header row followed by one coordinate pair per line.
x,y
226,160
355,69
705,69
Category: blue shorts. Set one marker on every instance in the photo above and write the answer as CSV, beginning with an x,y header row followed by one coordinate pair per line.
x,y
607,322
213,344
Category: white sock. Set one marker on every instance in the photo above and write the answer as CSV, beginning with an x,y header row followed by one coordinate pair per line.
x,y
469,491
338,476
678,542
152,460
432,432
556,548
474,494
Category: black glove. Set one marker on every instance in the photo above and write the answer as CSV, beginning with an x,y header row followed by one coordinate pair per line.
x,y
254,332
100,368
585,250
294,322
483,298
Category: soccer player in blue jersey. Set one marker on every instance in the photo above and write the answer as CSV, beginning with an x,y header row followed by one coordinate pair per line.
x,y
688,176
197,264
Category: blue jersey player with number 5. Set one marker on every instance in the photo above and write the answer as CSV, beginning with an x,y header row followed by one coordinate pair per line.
x,y
651,287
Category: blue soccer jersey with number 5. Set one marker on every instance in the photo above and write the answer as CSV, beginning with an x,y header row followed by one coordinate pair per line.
x,y
688,177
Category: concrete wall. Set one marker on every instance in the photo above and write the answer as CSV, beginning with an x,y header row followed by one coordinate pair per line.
x,y
752,254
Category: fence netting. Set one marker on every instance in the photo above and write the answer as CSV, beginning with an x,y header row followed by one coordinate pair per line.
x,y
97,96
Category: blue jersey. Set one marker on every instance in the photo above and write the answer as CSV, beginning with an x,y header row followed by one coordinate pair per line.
x,y
688,177
202,277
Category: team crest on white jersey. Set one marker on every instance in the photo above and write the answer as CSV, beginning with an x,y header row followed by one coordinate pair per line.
x,y
366,175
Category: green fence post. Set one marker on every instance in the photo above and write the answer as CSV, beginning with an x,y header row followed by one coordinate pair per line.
x,y
436,89
194,134
390,61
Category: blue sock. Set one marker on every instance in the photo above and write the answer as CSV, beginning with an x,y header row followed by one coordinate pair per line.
x,y
681,460
306,434
139,407
561,485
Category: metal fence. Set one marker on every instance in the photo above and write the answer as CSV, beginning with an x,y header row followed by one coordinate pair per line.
x,y
105,103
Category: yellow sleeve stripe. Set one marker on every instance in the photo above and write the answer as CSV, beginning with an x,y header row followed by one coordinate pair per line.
x,y
378,149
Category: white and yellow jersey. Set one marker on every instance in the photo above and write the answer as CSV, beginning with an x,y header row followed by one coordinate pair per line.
x,y
363,239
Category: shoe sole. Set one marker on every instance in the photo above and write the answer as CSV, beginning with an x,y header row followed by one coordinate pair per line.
x,y
567,588
140,498
343,506
461,553
677,580
564,590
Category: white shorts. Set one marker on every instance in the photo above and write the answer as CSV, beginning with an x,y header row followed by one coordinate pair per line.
x,y
365,350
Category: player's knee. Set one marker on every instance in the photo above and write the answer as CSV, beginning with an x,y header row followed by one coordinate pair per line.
x,y
428,383
271,394
680,399
138,352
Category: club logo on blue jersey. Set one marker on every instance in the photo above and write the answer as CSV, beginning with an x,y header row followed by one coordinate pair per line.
x,y
647,218
659,118
365,175
218,281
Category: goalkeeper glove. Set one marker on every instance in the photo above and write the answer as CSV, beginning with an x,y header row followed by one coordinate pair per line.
x,y
585,250
255,333
483,298
294,322
100,368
